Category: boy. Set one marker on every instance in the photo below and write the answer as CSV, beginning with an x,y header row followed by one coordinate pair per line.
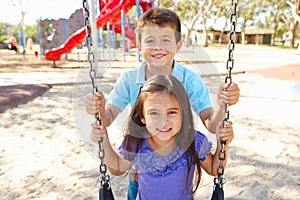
x,y
158,40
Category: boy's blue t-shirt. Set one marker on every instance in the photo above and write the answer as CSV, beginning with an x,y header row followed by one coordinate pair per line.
x,y
127,87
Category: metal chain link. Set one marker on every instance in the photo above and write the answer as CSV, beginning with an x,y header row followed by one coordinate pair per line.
x,y
220,180
89,44
103,178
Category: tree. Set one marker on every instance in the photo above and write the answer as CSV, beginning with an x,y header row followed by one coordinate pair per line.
x,y
31,32
295,8
192,12
7,31
189,13
280,15
3,31
287,17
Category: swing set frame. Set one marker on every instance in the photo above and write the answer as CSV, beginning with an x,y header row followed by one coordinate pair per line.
x,y
105,192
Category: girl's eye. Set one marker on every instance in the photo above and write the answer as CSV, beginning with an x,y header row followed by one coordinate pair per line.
x,y
153,113
172,112
166,40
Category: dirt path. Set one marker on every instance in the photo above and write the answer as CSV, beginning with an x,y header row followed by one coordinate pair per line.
x,y
286,72
19,94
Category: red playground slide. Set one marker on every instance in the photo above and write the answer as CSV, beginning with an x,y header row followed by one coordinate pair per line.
x,y
110,11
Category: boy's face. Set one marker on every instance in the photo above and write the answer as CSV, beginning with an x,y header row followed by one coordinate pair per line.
x,y
158,45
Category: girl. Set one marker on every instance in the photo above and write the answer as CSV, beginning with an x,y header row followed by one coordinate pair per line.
x,y
160,139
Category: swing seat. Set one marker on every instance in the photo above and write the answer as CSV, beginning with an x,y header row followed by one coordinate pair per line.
x,y
105,192
218,193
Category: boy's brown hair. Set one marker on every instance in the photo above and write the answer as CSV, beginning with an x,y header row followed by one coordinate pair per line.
x,y
160,17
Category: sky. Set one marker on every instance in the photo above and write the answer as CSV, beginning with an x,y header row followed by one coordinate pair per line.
x,y
10,10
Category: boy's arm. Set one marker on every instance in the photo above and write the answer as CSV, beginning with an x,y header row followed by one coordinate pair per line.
x,y
226,94
110,114
95,103
211,118
118,99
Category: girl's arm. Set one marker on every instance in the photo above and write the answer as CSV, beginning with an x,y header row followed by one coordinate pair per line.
x,y
115,162
212,161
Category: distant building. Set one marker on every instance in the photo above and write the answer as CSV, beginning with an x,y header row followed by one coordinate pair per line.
x,y
254,35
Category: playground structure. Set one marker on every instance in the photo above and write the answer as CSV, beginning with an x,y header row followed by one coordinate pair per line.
x,y
55,32
55,44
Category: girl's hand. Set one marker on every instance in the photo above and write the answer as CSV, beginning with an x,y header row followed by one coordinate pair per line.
x,y
95,103
228,93
225,134
98,132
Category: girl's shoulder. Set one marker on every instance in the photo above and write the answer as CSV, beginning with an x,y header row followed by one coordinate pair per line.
x,y
202,145
200,137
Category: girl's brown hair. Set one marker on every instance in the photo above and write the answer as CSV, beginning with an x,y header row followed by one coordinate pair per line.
x,y
135,130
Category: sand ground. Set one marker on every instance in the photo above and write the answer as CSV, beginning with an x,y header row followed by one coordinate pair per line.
x,y
45,150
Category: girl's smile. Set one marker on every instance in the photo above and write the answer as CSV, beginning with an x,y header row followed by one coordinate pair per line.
x,y
162,116
164,130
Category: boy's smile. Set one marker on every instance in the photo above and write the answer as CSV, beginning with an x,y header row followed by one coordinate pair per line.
x,y
158,47
158,55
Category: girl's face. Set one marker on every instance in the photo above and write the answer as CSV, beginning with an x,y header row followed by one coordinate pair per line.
x,y
158,45
162,116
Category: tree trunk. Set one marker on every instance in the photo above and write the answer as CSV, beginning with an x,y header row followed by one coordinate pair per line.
x,y
243,36
204,36
189,39
293,31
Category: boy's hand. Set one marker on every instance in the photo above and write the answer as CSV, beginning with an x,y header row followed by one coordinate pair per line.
x,y
95,103
226,134
98,132
228,93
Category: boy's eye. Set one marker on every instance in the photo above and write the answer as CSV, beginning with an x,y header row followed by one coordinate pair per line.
x,y
166,40
148,41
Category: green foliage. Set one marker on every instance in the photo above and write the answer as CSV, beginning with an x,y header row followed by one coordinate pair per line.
x,y
167,3
280,31
132,14
5,27
187,9
31,32
10,30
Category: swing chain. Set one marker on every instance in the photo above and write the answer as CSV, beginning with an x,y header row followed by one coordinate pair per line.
x,y
89,44
231,44
220,180
103,178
